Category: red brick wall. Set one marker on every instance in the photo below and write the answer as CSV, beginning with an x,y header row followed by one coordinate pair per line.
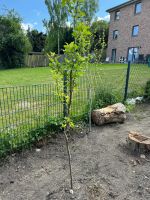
x,y
124,25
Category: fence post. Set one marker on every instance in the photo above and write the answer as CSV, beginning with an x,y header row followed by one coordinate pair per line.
x,y
90,107
127,81
65,110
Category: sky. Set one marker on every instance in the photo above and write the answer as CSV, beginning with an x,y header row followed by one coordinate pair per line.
x,y
34,11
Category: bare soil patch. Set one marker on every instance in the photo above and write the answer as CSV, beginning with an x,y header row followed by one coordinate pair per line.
x,y
103,167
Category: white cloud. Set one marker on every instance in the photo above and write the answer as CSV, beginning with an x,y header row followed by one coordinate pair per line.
x,y
106,18
25,26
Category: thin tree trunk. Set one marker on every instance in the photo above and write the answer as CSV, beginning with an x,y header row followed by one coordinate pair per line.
x,y
66,130
58,42
69,156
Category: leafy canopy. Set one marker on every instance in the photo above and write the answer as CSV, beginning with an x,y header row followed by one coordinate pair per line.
x,y
37,39
14,44
55,24
76,56
81,10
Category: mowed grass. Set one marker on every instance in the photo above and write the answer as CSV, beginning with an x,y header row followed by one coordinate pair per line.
x,y
24,76
39,75
28,96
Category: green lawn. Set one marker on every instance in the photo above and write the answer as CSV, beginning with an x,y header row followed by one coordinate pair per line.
x,y
32,100
24,76
29,76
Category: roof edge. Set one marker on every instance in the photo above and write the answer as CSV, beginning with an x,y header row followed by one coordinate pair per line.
x,y
121,5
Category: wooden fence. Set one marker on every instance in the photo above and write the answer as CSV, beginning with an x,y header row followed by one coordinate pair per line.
x,y
36,61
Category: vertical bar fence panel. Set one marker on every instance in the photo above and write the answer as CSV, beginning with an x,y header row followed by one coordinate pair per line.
x,y
139,75
26,109
23,110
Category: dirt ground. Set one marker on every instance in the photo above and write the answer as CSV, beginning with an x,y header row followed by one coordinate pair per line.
x,y
103,167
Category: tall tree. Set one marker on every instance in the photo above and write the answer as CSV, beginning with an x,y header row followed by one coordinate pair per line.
x,y
59,12
14,44
58,16
37,40
90,7
65,37
81,10
99,29
99,41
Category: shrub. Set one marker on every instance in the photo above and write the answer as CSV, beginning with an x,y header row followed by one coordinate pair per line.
x,y
104,97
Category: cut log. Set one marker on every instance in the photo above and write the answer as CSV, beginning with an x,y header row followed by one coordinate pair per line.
x,y
138,142
110,114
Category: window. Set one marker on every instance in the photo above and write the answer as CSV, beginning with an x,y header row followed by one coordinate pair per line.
x,y
117,15
138,7
133,54
115,34
135,31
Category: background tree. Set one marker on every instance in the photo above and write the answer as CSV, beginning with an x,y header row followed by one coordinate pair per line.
x,y
99,41
82,10
58,16
90,7
14,44
37,39
77,10
65,37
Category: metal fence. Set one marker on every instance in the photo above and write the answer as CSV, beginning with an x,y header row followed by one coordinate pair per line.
x,y
24,109
138,76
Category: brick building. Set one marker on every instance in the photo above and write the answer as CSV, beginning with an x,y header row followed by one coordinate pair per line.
x,y
129,31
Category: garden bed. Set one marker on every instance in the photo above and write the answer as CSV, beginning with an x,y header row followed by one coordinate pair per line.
x,y
103,167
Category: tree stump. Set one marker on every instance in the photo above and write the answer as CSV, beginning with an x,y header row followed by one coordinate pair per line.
x,y
138,142
110,114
